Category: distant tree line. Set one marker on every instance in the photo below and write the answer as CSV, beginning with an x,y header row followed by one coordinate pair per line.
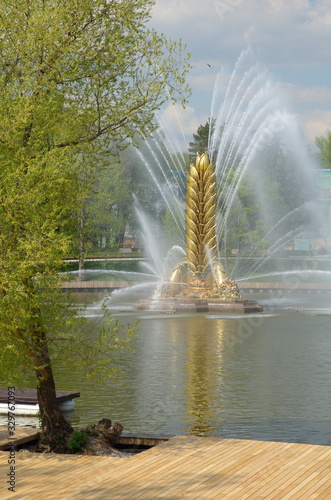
x,y
110,209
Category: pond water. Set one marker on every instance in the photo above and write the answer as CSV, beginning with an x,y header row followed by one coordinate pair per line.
x,y
264,377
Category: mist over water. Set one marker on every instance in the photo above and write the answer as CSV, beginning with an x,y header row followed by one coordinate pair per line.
x,y
256,145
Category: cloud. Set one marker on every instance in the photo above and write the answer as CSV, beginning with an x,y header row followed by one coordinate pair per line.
x,y
202,78
315,123
321,11
292,39
286,32
308,95
180,122
177,12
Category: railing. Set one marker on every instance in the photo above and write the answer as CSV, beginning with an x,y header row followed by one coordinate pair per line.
x,y
247,286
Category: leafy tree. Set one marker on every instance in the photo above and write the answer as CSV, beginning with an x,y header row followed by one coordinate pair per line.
x,y
76,78
324,145
163,190
107,209
246,224
110,208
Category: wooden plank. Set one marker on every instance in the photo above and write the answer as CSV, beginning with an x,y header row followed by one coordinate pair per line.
x,y
164,481
142,440
26,396
147,471
249,467
222,494
233,453
282,477
183,467
22,435
250,462
324,492
309,489
297,470
53,476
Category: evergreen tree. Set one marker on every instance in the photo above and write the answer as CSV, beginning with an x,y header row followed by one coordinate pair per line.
x,y
200,141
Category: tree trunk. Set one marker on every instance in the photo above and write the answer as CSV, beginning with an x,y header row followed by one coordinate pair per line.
x,y
51,417
35,339
81,263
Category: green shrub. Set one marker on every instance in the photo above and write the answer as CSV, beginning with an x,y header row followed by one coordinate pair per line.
x,y
77,441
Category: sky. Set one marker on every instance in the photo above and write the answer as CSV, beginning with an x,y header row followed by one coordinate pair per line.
x,y
290,38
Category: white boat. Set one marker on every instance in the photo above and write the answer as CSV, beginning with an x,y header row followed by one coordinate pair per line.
x,y
25,401
33,409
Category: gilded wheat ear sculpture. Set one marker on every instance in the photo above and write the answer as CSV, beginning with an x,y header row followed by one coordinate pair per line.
x,y
200,214
200,283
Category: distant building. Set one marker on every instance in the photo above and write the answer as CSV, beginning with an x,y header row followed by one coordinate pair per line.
x,y
129,244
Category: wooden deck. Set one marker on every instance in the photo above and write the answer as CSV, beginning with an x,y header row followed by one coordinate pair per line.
x,y
183,467
22,435
29,396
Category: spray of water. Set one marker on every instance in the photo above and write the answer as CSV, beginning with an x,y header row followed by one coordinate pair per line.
x,y
249,117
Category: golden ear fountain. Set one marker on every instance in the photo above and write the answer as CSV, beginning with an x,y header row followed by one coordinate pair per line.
x,y
200,284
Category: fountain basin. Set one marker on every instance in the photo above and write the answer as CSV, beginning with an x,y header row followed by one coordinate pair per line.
x,y
213,306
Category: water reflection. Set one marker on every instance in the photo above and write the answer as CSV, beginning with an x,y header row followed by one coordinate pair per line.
x,y
257,378
203,379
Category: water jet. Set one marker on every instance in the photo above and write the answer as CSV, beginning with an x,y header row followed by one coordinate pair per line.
x,y
200,284
269,215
